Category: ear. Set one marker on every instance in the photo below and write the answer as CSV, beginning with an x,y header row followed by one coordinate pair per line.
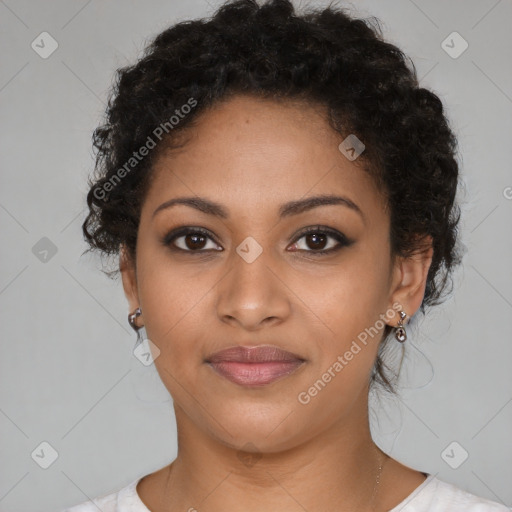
x,y
129,278
410,279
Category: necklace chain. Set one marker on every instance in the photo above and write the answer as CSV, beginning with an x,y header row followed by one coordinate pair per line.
x,y
371,504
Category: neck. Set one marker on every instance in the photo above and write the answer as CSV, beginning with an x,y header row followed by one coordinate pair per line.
x,y
337,469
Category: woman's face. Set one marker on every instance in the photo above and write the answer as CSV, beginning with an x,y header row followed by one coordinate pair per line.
x,y
256,279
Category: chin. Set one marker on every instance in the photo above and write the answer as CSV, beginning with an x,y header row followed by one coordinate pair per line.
x,y
258,429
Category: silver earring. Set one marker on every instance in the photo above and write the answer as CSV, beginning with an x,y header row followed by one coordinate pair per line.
x,y
400,333
132,317
140,330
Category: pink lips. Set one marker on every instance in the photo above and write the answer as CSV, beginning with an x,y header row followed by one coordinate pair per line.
x,y
254,366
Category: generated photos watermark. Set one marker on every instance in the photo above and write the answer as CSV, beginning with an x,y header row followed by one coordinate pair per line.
x,y
304,397
101,192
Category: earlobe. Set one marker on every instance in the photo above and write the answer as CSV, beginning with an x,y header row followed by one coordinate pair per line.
x,y
129,278
411,279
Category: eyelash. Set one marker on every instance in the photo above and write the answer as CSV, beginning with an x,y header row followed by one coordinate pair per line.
x,y
342,240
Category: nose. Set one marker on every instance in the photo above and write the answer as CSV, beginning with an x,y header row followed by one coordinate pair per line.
x,y
253,295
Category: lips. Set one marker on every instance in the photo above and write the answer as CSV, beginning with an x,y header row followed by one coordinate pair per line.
x,y
254,366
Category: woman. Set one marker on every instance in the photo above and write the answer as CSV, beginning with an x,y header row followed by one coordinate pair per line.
x,y
281,194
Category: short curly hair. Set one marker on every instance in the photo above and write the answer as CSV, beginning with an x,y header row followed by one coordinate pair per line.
x,y
324,57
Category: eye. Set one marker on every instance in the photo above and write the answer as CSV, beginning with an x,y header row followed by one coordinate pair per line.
x,y
317,238
190,239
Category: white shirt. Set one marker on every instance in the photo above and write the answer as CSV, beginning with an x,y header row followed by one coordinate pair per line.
x,y
433,495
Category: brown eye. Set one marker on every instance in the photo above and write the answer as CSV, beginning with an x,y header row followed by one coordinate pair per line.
x,y
194,241
319,240
316,240
190,240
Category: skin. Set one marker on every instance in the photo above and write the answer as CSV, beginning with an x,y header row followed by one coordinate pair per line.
x,y
251,156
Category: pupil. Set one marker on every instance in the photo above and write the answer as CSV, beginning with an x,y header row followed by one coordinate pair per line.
x,y
196,241
314,238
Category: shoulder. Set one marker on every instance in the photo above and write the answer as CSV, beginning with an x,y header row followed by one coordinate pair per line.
x,y
113,502
435,495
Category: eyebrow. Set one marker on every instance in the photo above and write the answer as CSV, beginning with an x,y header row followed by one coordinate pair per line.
x,y
286,210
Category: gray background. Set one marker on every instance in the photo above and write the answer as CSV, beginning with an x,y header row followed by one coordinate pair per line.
x,y
67,371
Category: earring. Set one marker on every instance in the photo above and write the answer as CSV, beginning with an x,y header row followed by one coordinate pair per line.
x,y
132,317
141,331
400,333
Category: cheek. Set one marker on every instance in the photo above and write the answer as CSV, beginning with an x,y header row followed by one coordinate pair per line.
x,y
176,325
349,298
173,299
346,353
351,303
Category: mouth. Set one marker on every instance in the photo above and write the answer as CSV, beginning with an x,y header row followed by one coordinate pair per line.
x,y
254,366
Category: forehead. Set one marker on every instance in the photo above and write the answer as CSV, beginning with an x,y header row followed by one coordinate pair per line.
x,y
247,153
